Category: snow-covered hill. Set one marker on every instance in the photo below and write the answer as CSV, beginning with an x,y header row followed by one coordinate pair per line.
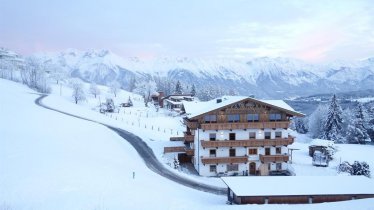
x,y
47,163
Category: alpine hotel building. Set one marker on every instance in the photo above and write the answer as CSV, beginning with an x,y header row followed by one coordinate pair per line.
x,y
236,135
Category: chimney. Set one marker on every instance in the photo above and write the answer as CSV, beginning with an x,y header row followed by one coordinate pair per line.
x,y
219,100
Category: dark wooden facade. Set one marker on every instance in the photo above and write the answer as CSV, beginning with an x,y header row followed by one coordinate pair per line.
x,y
295,199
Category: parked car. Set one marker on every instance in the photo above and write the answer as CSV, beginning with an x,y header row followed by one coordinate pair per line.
x,y
320,159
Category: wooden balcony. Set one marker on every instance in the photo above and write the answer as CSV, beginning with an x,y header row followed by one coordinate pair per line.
x,y
174,149
217,160
191,124
245,125
178,138
249,143
188,137
189,152
274,158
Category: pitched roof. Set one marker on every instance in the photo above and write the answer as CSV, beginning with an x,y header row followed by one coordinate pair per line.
x,y
197,108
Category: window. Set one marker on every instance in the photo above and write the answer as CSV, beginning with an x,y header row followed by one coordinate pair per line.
x,y
210,118
233,117
252,135
232,153
267,135
233,167
212,153
275,117
278,166
278,150
212,136
252,117
232,136
278,134
213,168
252,151
267,151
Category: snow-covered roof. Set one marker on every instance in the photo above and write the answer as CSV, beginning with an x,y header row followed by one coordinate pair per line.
x,y
322,142
196,108
299,185
173,102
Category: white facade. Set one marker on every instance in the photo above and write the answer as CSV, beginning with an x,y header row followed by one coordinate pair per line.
x,y
224,135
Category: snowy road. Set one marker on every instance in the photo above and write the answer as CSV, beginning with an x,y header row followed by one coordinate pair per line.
x,y
147,155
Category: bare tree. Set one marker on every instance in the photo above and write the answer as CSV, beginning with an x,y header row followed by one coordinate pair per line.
x,y
78,90
34,75
94,90
56,71
146,88
114,88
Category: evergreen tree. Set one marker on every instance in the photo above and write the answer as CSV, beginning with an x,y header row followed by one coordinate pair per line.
x,y
300,125
317,121
357,133
332,129
178,88
193,90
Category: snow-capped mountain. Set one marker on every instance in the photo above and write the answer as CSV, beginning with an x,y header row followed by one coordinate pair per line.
x,y
263,77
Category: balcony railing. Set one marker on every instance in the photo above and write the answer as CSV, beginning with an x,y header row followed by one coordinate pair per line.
x,y
217,160
249,143
189,152
245,125
274,158
191,124
188,137
174,149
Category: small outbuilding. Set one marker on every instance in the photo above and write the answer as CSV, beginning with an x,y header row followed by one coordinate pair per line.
x,y
326,147
297,189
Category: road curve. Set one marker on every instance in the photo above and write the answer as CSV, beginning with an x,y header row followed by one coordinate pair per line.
x,y
146,154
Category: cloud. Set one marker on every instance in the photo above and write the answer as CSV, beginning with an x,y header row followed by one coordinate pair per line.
x,y
324,32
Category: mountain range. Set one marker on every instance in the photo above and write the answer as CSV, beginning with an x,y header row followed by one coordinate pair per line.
x,y
264,77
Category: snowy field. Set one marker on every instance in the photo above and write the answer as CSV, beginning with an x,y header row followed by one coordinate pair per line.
x,y
52,161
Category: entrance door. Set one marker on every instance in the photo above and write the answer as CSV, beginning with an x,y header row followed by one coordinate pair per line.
x,y
252,168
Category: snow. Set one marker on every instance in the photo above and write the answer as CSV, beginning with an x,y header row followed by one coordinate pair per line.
x,y
322,142
196,108
52,161
300,185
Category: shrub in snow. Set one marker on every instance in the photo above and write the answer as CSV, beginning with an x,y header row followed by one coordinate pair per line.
x,y
361,168
345,167
357,168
